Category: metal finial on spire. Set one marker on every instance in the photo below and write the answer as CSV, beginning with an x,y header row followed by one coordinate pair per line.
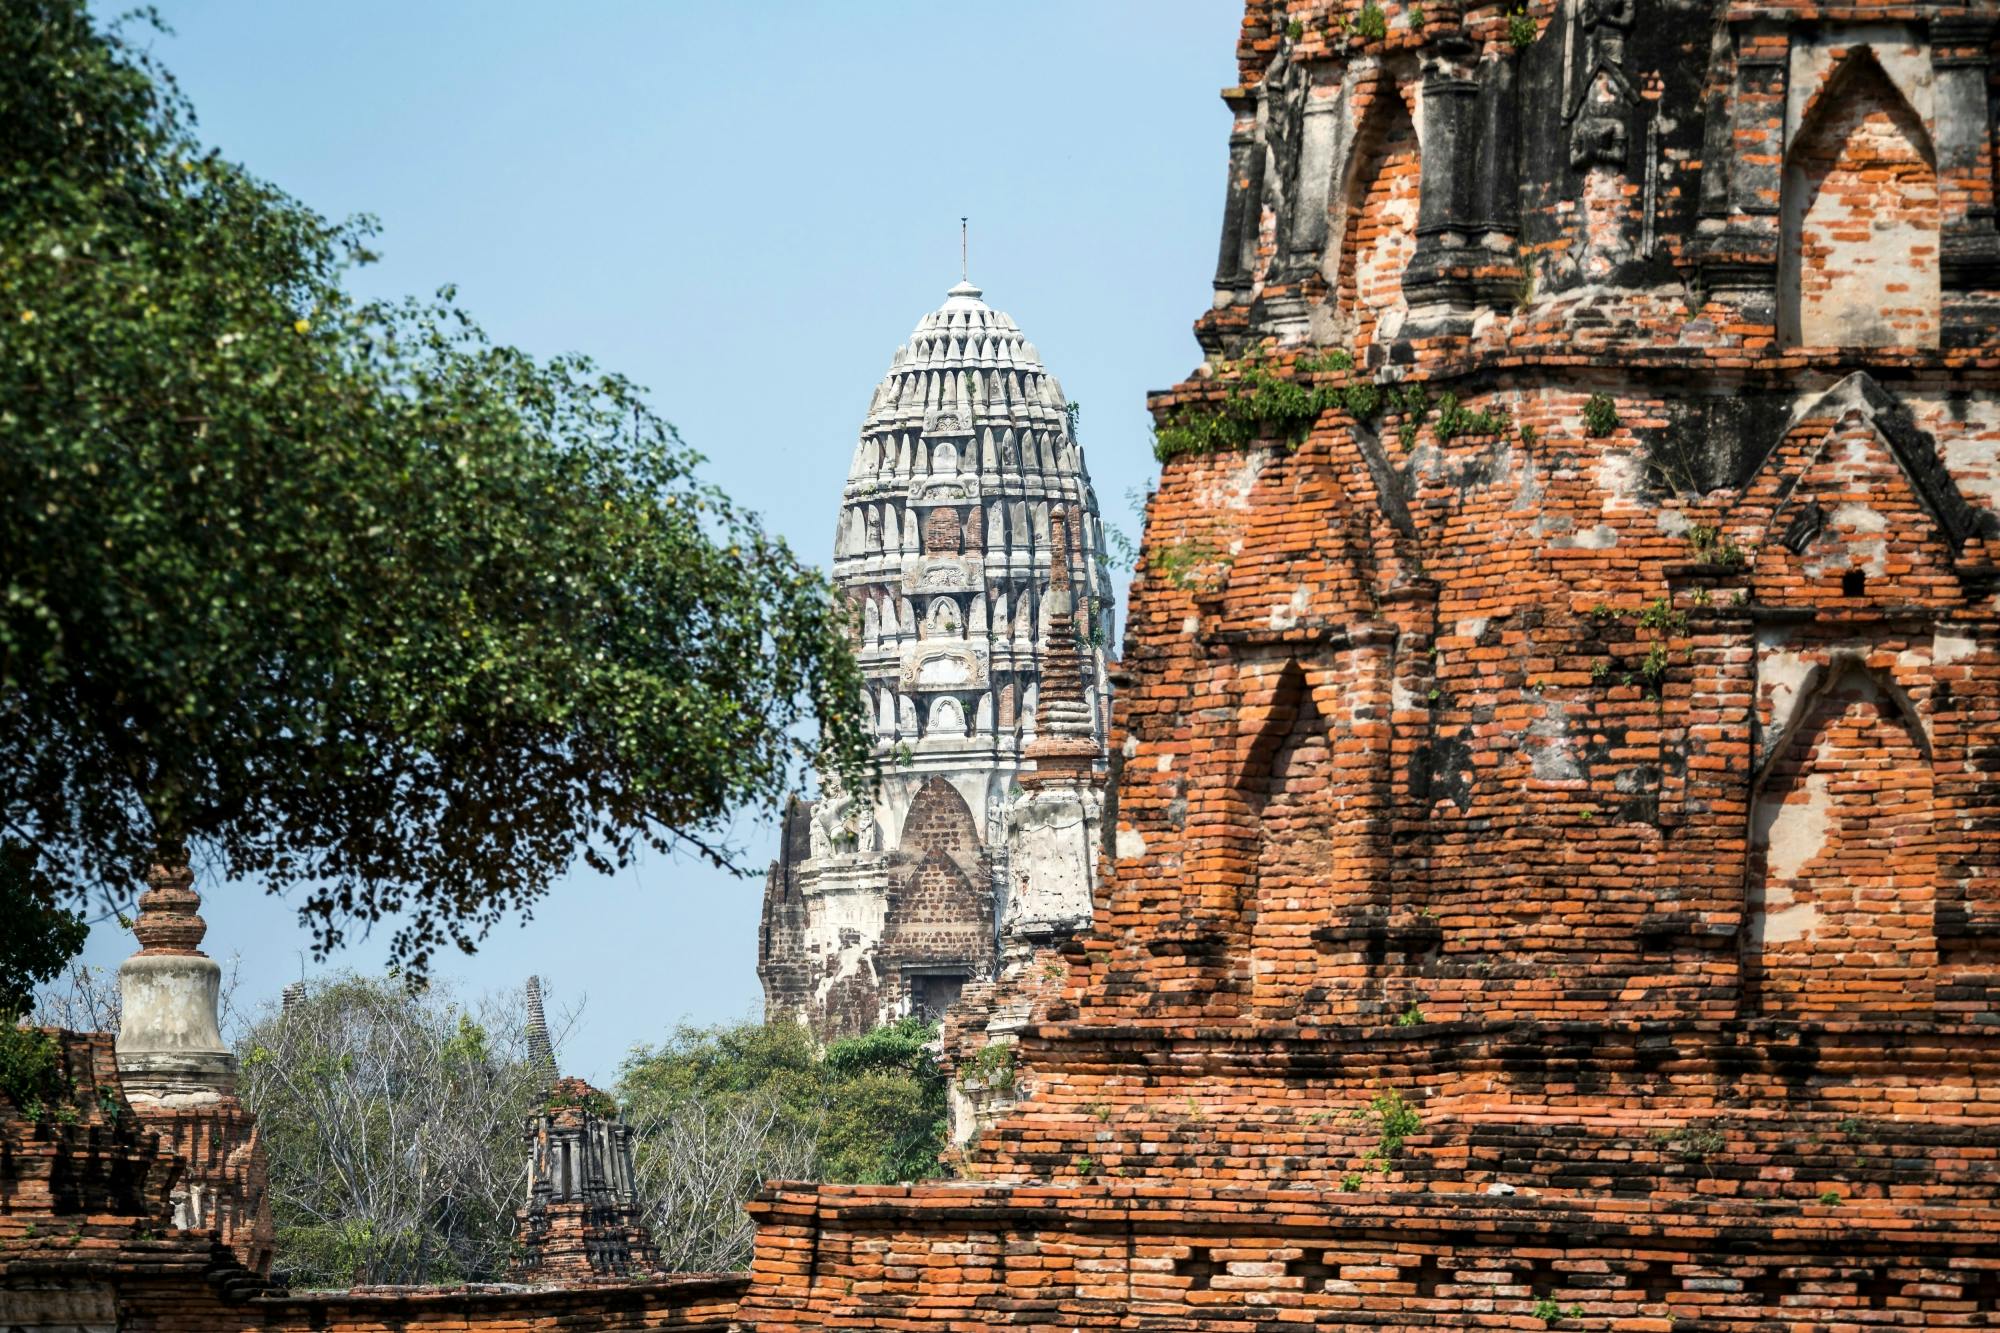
x,y
964,266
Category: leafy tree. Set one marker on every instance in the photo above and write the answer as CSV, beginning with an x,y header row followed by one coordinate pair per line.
x,y
392,1124
875,1103
342,595
702,1064
37,935
721,1110
886,1116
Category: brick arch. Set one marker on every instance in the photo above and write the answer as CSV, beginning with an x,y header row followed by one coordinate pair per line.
x,y
1228,789
1276,722
1858,264
939,821
1841,888
1232,815
938,915
1377,225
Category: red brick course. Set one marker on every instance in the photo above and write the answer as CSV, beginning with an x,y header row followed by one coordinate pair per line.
x,y
1140,1257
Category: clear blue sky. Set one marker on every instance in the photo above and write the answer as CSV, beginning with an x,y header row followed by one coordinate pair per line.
x,y
746,209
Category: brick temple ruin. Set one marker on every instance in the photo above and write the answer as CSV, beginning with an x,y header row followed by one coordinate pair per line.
x,y
968,496
1555,864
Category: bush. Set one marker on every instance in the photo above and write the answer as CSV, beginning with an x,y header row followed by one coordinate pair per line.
x,y
1260,406
1362,400
29,1061
1600,416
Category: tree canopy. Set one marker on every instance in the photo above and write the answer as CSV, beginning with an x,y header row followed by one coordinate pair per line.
x,y
720,1110
392,1124
342,595
873,1106
36,936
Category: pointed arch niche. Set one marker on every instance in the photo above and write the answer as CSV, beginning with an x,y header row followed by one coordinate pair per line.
x,y
1859,259
1842,876
1226,805
1377,224
1286,782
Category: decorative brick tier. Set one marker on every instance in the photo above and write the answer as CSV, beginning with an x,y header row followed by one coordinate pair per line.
x,y
1156,1257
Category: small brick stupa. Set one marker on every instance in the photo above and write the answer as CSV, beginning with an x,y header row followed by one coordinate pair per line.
x,y
581,1217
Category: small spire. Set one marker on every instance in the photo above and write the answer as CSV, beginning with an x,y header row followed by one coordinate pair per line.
x,y
964,264
294,995
1059,589
169,1036
1065,745
541,1053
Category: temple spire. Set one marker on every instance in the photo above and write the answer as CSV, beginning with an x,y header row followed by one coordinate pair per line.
x,y
942,547
541,1052
1065,746
1055,819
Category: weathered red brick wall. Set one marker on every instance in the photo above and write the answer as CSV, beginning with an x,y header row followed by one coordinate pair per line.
x,y
1557,863
1140,1258
221,1156
1863,232
85,1159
